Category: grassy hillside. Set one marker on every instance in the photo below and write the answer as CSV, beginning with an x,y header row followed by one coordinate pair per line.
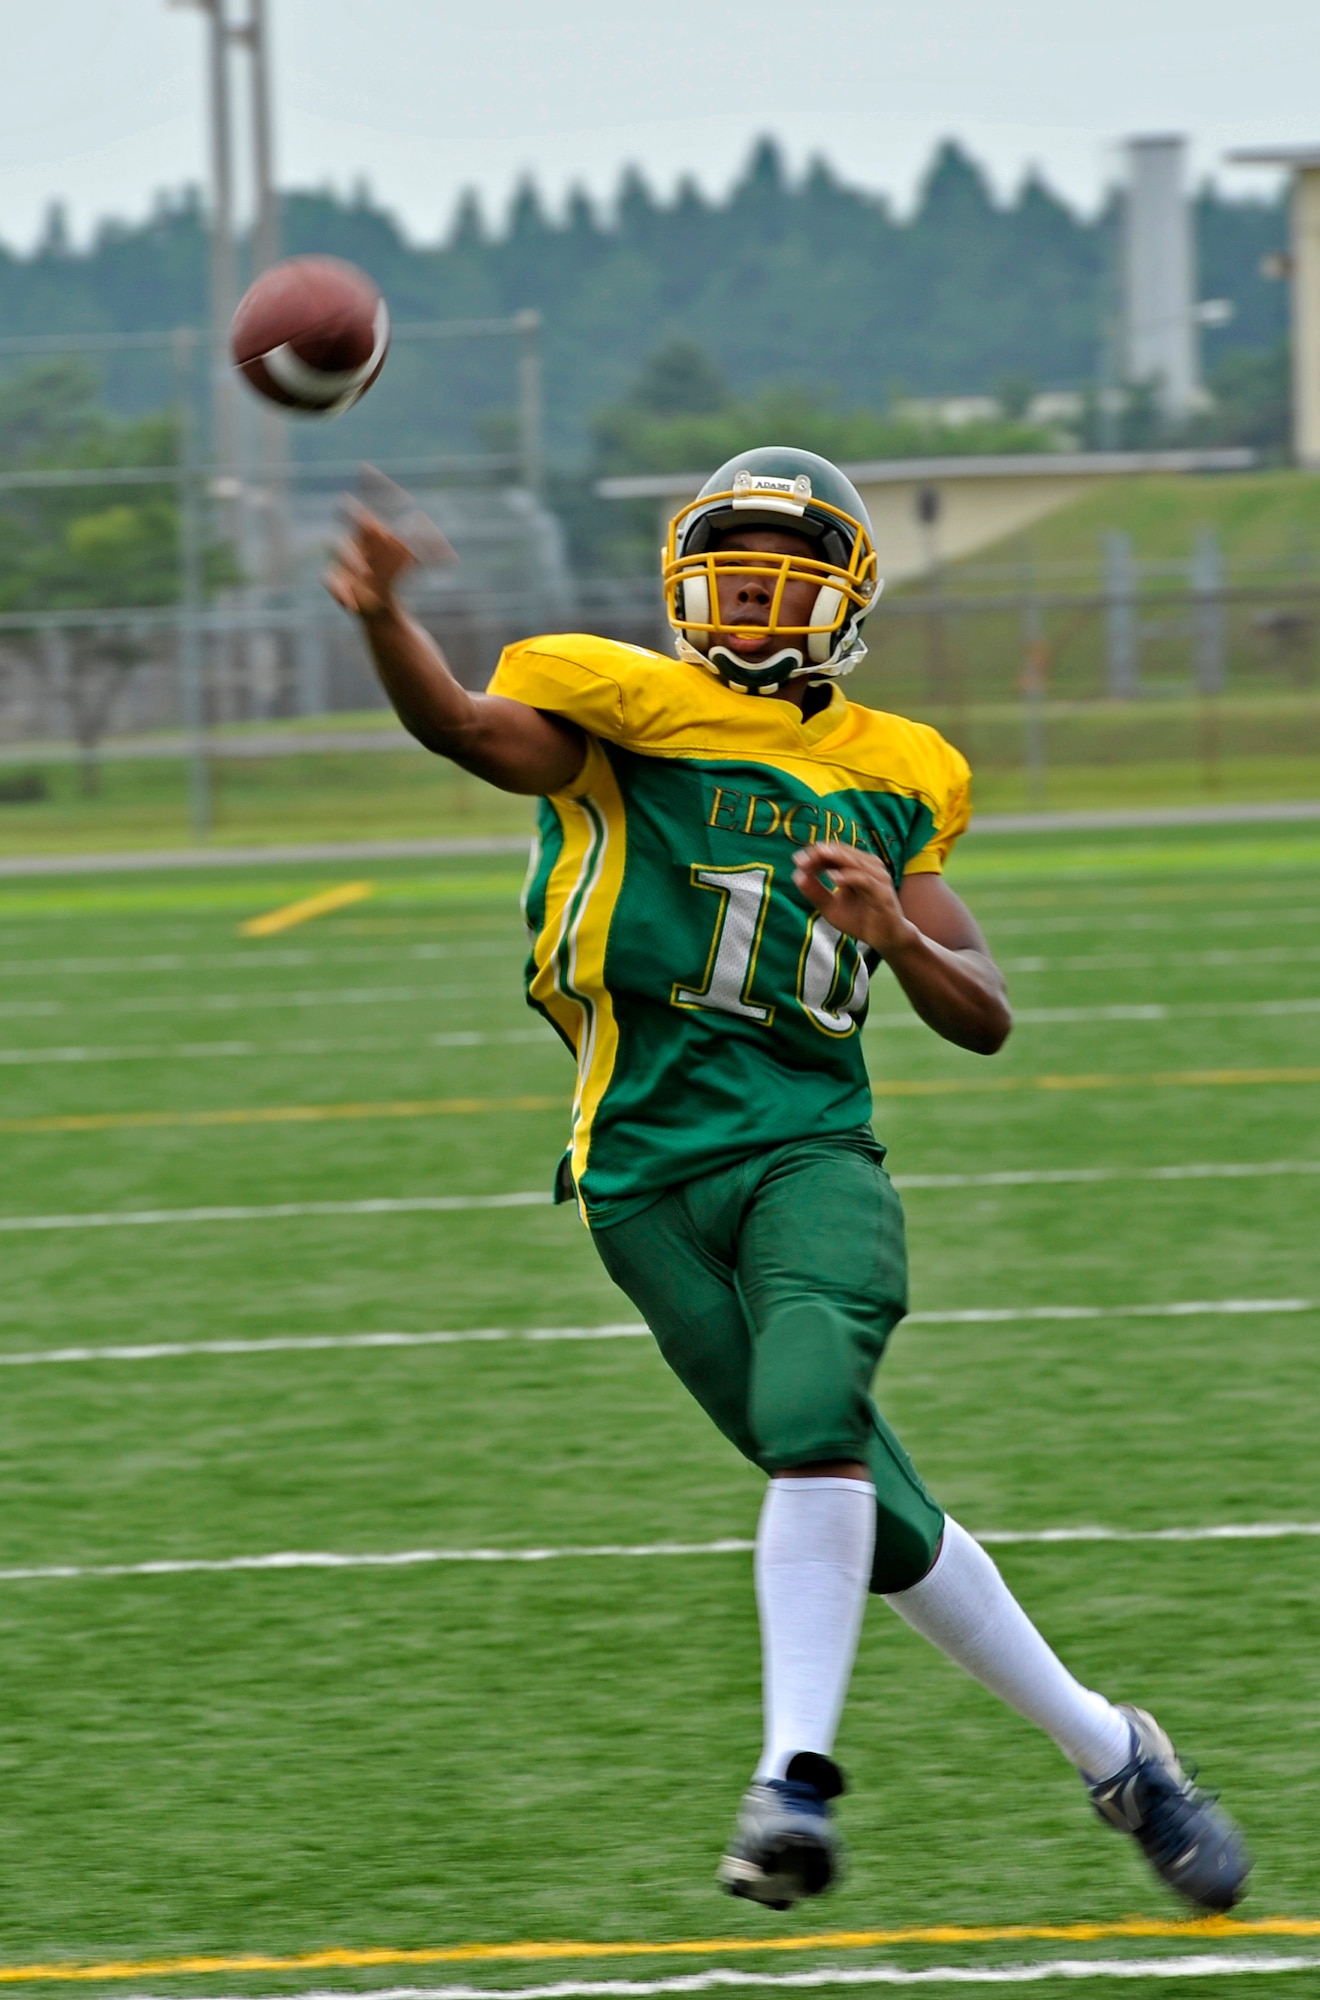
x,y
1268,519
958,656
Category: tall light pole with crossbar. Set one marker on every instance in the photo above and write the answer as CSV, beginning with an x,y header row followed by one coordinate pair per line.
x,y
250,512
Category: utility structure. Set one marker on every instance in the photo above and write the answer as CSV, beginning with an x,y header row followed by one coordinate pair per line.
x,y
1159,276
1303,163
254,514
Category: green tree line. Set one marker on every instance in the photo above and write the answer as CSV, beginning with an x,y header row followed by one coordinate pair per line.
x,y
804,281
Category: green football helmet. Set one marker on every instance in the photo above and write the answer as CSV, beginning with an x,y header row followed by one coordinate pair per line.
x,y
775,486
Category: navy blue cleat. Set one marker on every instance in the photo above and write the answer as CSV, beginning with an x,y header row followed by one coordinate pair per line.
x,y
1187,1837
786,1845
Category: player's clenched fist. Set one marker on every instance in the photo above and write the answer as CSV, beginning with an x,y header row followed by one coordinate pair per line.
x,y
862,901
367,565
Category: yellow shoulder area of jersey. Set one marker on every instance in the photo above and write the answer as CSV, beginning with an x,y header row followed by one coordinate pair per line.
x,y
663,707
606,687
895,754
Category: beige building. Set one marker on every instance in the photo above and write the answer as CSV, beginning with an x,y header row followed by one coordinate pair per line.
x,y
926,511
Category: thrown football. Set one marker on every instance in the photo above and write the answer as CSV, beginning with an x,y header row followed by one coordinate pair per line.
x,y
311,334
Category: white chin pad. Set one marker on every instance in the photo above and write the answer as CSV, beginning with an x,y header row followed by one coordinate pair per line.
x,y
825,611
696,601
735,669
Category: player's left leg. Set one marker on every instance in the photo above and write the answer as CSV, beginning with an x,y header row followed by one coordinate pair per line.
x,y
964,1607
1128,1764
821,1270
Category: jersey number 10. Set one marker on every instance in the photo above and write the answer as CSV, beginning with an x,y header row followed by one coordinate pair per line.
x,y
726,984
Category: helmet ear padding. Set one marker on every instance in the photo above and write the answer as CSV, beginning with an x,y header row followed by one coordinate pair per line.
x,y
694,605
825,611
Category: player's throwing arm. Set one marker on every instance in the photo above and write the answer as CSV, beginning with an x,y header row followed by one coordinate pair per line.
x,y
509,744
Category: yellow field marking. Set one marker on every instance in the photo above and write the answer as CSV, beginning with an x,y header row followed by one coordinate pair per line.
x,y
1172,1079
311,906
343,1957
281,1114
475,1107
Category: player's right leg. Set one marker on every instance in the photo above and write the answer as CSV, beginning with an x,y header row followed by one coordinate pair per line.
x,y
822,1278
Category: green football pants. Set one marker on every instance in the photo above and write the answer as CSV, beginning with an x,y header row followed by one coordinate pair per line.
x,y
772,1287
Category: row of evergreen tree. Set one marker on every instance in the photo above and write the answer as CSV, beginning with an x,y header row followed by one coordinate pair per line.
x,y
805,281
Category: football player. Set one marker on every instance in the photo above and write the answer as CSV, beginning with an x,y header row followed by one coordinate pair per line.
x,y
727,849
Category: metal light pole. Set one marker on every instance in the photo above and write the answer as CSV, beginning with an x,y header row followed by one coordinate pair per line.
x,y
528,324
225,413
272,429
1035,669
266,245
191,667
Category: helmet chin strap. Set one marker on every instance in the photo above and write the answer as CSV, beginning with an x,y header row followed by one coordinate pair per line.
x,y
732,668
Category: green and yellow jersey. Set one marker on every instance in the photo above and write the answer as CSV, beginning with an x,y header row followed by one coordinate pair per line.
x,y
711,1011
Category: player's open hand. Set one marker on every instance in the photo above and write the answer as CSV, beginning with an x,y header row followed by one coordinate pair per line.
x,y
859,896
367,565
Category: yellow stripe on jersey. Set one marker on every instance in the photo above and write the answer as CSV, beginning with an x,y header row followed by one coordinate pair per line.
x,y
569,982
543,990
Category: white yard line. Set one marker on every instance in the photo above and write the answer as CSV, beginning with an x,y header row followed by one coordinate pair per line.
x,y
1152,1010
147,1218
258,958
209,1051
313,1343
281,1211
714,1979
324,1559
318,1343
1224,1531
1195,1170
1176,1309
1147,961
398,1559
1134,1011
228,1003
148,1052
316,853
1137,1011
1151,920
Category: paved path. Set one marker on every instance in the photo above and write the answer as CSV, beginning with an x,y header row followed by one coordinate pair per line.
x,y
1146,818
260,857
1137,819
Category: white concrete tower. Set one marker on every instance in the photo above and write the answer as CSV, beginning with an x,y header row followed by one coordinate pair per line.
x,y
1159,275
1304,259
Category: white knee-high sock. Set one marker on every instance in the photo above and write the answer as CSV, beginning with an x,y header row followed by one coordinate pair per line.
x,y
966,1609
814,1545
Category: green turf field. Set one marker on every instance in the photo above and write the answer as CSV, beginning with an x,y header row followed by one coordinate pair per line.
x,y
420,1756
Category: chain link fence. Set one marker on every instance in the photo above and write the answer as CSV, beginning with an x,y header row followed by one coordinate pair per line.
x,y
1049,681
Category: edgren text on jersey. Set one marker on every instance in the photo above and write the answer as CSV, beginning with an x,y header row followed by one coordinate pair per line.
x,y
712,1012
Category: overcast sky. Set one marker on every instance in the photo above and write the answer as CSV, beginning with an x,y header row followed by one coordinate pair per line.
x,y
101,101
